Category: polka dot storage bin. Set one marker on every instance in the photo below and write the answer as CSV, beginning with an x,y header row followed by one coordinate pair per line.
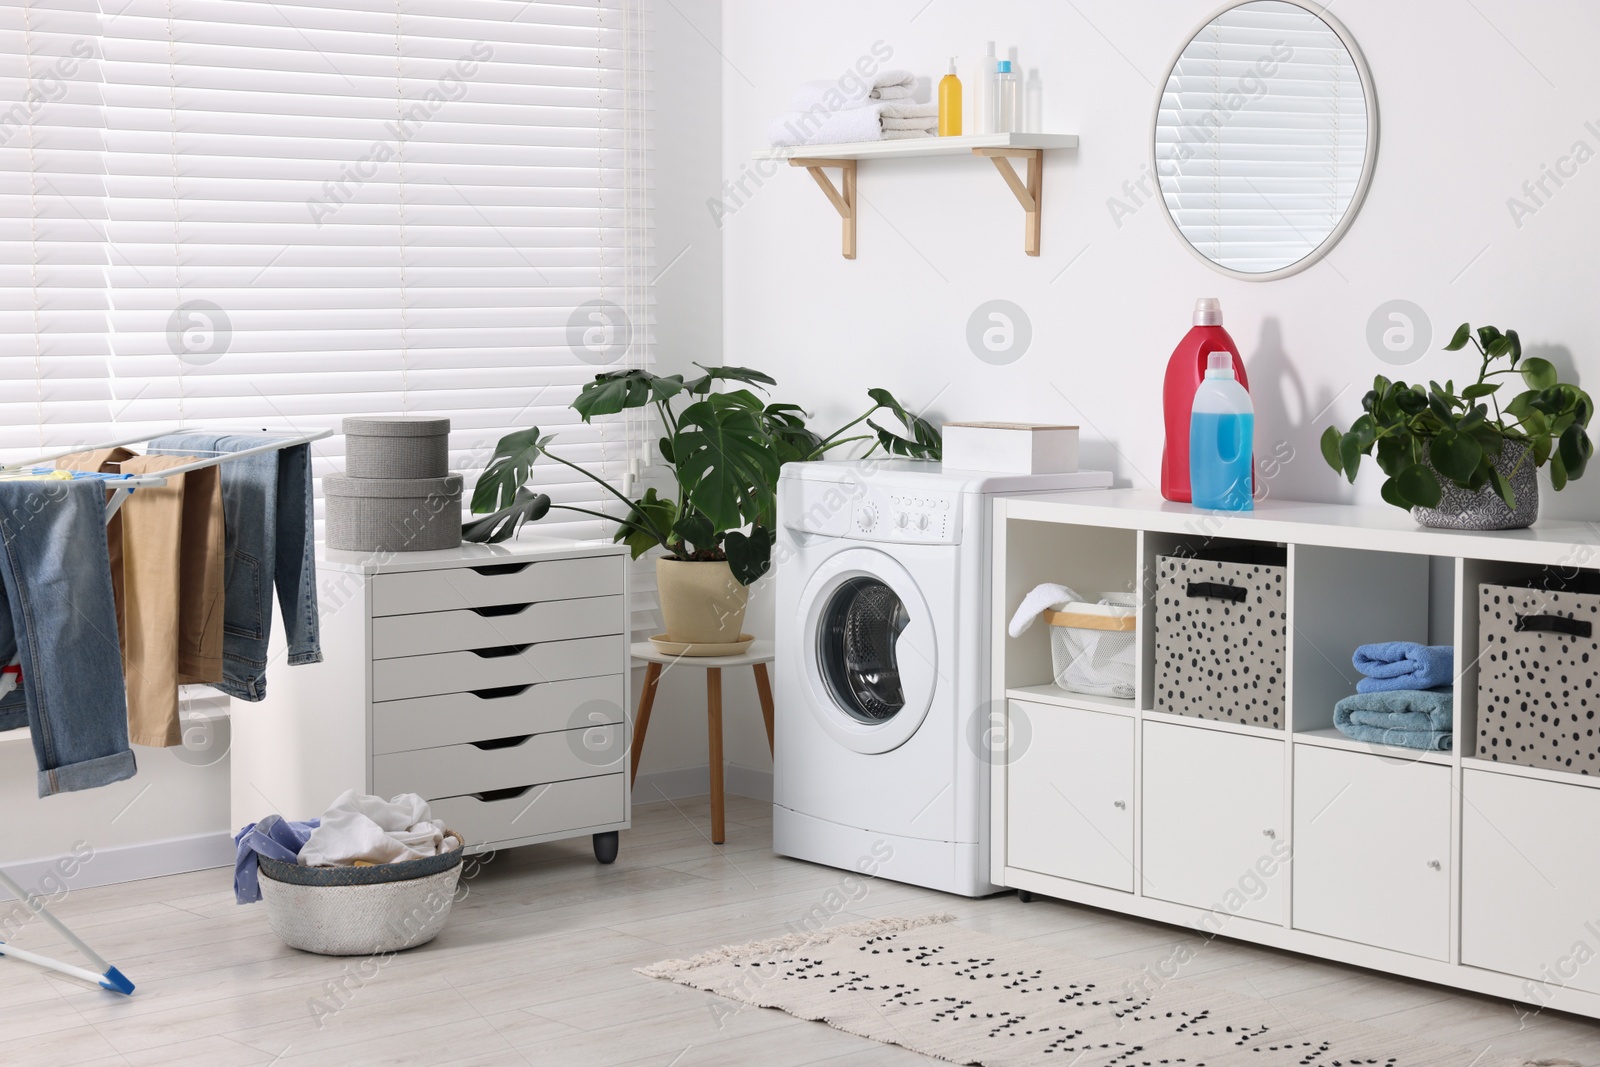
x,y
1222,636
1538,695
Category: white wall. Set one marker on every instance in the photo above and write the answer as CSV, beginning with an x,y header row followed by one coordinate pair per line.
x,y
689,75
1473,100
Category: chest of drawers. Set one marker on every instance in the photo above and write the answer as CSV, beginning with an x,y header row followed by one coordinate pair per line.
x,y
490,680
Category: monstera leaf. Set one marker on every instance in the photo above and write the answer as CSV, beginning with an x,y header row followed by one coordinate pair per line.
x,y
925,442
786,424
620,390
727,465
702,385
503,525
499,485
648,514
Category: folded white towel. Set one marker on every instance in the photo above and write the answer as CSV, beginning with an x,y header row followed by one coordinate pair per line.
x,y
1043,598
864,123
910,124
362,827
906,135
834,96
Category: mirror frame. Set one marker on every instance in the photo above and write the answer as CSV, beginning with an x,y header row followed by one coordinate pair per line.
x,y
1368,165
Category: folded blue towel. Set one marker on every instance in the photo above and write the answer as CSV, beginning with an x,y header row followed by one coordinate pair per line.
x,y
1410,718
1394,665
275,837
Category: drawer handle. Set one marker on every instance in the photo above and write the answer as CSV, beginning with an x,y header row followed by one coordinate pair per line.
x,y
1120,805
492,795
489,570
500,742
501,691
1269,833
501,609
500,651
1218,591
1554,624
1435,865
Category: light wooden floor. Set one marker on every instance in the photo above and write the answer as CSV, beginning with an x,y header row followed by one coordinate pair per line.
x,y
536,968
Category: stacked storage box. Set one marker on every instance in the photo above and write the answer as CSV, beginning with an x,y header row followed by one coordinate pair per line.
x,y
397,493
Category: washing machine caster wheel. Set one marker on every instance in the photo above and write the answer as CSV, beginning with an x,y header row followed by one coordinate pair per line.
x,y
1025,896
605,846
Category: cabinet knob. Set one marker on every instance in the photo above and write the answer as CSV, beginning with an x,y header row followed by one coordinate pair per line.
x,y
1120,805
1435,865
1269,833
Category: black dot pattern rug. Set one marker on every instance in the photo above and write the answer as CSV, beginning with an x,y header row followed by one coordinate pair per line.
x,y
973,999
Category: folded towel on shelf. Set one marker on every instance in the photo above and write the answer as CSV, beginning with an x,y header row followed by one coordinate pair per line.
x,y
1410,718
865,123
274,837
365,828
1042,598
1393,665
836,96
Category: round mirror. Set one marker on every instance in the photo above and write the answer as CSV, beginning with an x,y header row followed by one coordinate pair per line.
x,y
1265,137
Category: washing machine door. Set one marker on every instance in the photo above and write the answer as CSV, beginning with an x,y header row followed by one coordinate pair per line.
x,y
869,649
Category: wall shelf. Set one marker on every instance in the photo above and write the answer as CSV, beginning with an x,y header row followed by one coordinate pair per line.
x,y
999,148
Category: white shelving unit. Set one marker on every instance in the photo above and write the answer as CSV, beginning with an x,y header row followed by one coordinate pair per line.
x,y
1435,865
999,148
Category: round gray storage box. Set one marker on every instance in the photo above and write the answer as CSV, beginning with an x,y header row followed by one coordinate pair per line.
x,y
393,514
396,446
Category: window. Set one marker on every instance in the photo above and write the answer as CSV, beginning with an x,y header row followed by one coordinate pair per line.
x,y
239,212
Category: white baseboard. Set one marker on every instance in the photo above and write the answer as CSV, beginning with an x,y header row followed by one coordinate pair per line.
x,y
696,782
127,863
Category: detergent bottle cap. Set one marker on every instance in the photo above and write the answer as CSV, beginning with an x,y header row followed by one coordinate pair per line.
x,y
1219,365
1005,66
1208,311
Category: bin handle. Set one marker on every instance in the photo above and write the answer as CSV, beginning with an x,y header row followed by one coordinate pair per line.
x,y
1218,591
1554,624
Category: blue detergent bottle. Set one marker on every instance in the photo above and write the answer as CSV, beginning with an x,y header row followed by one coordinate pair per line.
x,y
1221,439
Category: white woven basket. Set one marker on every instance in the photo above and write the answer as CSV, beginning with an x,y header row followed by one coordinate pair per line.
x,y
360,920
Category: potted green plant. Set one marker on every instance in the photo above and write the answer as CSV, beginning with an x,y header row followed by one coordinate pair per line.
x,y
724,450
1463,460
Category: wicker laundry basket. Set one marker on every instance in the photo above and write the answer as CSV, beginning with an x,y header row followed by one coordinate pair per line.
x,y
359,911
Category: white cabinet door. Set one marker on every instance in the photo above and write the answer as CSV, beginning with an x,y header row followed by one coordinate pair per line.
x,y
1530,880
1214,834
1069,794
1372,850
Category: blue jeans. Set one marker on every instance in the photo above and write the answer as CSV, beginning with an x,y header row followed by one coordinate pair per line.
x,y
266,506
58,618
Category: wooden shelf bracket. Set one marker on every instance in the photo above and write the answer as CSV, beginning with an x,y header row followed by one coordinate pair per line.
x,y
1027,195
844,203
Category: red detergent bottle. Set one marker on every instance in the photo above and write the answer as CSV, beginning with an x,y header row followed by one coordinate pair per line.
x,y
1185,371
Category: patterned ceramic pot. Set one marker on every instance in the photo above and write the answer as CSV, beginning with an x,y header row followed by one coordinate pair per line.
x,y
1463,509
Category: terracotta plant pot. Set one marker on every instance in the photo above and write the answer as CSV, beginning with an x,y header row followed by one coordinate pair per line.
x,y
701,602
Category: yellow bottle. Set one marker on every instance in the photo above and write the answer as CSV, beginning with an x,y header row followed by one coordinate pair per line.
x,y
950,103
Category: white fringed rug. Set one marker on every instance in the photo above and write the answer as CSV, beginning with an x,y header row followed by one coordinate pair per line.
x,y
972,999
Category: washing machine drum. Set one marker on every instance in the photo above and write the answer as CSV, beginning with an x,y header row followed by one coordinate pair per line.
x,y
856,649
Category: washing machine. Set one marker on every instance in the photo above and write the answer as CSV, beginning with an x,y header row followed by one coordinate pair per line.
x,y
881,672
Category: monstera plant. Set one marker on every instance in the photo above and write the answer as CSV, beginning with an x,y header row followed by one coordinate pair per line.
x,y
724,446
1464,459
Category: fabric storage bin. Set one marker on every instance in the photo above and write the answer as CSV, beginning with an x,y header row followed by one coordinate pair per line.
x,y
1538,676
1222,635
398,446
393,514
1092,646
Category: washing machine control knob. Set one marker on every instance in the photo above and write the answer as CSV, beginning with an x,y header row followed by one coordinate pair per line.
x,y
902,520
922,522
867,518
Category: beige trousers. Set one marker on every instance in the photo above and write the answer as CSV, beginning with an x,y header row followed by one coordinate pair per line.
x,y
167,549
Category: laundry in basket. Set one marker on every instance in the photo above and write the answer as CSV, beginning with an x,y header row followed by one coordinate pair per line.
x,y
1092,646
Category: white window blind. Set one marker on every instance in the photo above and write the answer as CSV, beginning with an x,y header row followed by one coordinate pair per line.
x,y
1261,136
337,207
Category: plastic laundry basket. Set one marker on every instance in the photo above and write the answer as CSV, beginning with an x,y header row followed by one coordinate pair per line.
x,y
1092,646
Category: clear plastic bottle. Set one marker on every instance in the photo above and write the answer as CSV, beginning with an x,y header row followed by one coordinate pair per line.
x,y
1008,109
1221,439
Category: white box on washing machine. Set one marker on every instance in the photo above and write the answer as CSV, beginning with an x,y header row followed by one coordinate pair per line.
x,y
1011,447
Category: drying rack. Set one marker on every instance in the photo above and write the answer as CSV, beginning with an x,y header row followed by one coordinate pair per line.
x,y
120,487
